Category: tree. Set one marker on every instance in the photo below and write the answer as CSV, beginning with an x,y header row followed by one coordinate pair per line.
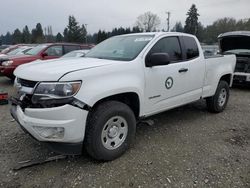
x,y
223,25
59,37
192,20
26,35
178,27
65,34
37,35
74,32
136,30
17,36
8,39
101,36
148,22
49,34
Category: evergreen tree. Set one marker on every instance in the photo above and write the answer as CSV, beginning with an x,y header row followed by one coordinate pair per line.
x,y
59,37
17,37
65,34
74,32
8,38
37,35
136,30
178,27
26,35
192,20
101,36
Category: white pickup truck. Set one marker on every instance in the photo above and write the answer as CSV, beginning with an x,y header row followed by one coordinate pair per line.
x,y
95,101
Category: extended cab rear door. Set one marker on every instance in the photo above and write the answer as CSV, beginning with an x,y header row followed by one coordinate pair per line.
x,y
180,81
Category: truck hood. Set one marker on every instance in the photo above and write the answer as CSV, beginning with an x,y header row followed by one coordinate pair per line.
x,y
53,70
234,42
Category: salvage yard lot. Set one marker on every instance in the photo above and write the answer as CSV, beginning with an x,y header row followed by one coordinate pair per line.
x,y
185,147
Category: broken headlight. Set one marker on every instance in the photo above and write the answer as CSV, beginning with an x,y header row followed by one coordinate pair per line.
x,y
56,90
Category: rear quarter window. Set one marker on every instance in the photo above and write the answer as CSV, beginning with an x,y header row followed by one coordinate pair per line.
x,y
191,48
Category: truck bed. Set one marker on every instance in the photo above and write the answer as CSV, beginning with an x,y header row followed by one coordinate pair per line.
x,y
215,66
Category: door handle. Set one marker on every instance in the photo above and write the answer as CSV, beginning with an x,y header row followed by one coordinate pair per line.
x,y
183,70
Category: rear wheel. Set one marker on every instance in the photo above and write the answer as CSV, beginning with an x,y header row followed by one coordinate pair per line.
x,y
110,130
218,102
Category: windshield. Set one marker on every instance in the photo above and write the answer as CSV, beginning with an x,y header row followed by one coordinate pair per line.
x,y
123,48
14,52
36,50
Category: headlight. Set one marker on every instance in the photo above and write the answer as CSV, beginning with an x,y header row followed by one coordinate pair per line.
x,y
7,63
56,90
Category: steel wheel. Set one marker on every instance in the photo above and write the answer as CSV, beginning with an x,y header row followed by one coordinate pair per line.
x,y
222,97
114,132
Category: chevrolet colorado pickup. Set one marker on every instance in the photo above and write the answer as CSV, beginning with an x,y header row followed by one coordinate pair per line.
x,y
95,101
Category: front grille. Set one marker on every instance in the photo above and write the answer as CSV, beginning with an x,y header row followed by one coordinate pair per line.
x,y
243,65
240,78
26,83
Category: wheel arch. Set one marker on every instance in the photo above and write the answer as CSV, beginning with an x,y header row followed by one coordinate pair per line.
x,y
131,99
227,78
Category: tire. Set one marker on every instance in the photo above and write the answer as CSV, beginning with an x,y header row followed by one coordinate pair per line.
x,y
218,102
109,121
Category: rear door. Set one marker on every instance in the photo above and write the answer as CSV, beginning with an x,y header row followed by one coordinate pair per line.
x,y
195,64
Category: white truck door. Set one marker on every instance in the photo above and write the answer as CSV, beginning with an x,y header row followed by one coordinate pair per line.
x,y
168,86
196,67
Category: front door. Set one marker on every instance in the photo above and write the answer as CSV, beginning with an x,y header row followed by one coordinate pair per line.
x,y
167,85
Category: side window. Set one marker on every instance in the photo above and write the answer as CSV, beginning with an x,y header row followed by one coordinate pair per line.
x,y
168,45
54,51
70,48
192,50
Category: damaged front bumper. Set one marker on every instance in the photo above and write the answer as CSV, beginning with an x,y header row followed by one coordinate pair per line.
x,y
61,127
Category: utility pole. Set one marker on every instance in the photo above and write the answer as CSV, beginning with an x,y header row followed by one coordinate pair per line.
x,y
168,20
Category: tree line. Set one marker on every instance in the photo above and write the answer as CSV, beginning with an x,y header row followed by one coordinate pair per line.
x,y
147,22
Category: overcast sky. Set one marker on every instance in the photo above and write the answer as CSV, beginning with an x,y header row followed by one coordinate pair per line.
x,y
107,14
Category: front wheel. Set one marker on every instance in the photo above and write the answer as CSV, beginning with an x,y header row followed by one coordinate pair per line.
x,y
218,102
110,130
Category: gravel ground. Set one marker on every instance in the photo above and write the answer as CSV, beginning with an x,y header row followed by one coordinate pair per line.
x,y
185,147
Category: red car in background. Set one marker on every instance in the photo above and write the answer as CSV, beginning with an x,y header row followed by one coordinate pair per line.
x,y
42,51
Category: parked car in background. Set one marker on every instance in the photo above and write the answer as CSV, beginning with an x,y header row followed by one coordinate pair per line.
x,y
238,43
210,50
2,47
11,48
42,52
76,53
19,51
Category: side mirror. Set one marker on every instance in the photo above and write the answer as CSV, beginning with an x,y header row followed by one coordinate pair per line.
x,y
157,59
44,54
